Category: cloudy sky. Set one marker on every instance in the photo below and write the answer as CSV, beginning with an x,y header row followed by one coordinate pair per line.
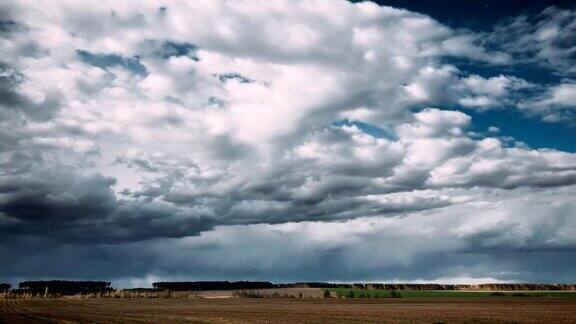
x,y
288,140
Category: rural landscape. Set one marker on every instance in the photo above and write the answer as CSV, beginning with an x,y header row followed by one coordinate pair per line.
x,y
287,161
265,302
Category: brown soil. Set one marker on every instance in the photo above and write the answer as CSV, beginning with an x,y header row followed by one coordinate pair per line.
x,y
280,310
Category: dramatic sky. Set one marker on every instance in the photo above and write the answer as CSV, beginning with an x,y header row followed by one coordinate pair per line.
x,y
288,140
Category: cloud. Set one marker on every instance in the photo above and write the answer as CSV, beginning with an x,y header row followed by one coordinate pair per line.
x,y
550,103
15,102
480,237
494,92
544,39
74,208
534,43
126,125
556,104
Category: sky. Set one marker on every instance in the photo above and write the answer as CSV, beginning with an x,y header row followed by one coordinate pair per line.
x,y
317,140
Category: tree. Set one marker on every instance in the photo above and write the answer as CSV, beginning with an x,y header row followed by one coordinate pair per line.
x,y
65,287
211,285
5,287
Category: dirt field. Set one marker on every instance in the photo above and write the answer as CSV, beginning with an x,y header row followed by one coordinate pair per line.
x,y
275,310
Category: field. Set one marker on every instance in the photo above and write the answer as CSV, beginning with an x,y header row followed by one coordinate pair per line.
x,y
373,293
275,310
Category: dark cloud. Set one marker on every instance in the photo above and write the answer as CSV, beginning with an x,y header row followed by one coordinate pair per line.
x,y
7,23
69,207
13,101
55,198
290,252
7,26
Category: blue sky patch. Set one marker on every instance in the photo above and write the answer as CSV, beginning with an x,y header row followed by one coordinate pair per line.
x,y
170,49
105,61
534,132
234,76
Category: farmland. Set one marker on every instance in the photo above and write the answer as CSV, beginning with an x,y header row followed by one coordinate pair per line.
x,y
376,293
263,302
302,310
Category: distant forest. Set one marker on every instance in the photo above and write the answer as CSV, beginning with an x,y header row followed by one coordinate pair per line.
x,y
4,287
212,285
65,287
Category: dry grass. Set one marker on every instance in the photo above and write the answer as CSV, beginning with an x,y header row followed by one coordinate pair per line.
x,y
252,293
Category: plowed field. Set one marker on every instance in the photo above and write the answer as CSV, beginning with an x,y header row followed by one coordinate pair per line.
x,y
286,310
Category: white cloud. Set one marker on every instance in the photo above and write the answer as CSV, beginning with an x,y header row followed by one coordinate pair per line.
x,y
564,94
544,39
235,106
557,103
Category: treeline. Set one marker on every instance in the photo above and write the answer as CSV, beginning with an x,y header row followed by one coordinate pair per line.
x,y
64,287
5,287
480,287
238,285
212,285
520,286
